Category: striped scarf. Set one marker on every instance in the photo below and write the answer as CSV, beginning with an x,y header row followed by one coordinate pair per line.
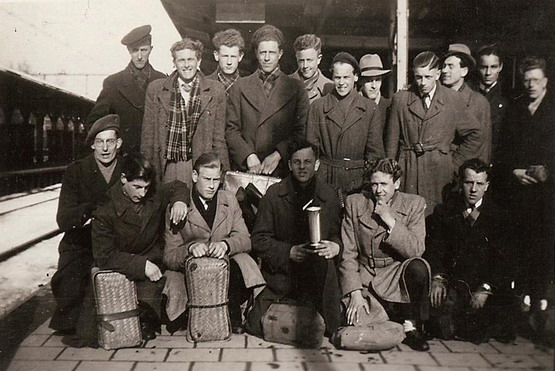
x,y
269,80
141,76
182,122
227,80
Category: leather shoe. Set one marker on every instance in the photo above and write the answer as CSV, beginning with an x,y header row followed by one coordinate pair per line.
x,y
237,330
416,341
148,332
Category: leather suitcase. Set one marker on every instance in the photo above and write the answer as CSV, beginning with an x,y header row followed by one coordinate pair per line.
x,y
377,336
117,309
289,323
233,180
207,281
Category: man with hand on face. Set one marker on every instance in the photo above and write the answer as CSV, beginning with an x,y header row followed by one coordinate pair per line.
x,y
383,234
83,188
184,117
469,250
214,228
308,51
229,51
281,240
265,110
124,92
346,127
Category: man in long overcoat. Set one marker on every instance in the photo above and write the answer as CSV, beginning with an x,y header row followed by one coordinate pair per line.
x,y
184,117
346,127
265,110
124,93
425,120
84,187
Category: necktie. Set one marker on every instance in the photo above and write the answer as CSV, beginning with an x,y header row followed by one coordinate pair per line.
x,y
472,213
186,87
427,101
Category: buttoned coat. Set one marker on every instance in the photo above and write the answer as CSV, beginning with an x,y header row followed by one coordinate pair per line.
x,y
357,137
317,90
209,135
261,125
366,241
436,129
121,95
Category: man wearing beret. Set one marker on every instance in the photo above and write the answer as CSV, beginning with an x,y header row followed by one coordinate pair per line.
x,y
124,93
83,188
346,127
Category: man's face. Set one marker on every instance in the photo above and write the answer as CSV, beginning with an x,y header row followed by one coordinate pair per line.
x,y
136,189
186,62
228,58
535,82
474,186
308,61
207,181
139,55
371,86
425,79
344,78
268,55
452,72
105,146
489,68
303,164
383,186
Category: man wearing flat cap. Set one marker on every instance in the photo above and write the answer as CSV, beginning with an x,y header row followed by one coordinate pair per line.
x,y
346,127
124,93
457,64
84,188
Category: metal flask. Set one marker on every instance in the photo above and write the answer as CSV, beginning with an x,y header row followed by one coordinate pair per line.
x,y
314,225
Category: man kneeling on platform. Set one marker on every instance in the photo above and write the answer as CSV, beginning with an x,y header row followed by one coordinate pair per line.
x,y
383,235
470,243
281,240
214,228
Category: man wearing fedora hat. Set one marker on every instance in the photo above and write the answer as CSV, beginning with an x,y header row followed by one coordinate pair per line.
x,y
457,64
124,93
83,188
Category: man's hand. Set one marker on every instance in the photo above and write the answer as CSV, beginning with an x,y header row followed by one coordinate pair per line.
x,y
152,271
384,211
199,249
217,249
438,293
253,164
298,253
524,178
270,163
356,303
178,212
328,249
478,299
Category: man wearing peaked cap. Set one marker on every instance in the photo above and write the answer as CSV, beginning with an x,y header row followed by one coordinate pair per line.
x,y
84,187
124,93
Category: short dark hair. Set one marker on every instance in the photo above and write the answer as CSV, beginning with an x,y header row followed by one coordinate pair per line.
x,y
383,165
187,43
426,59
490,49
267,33
532,63
298,144
230,38
463,59
209,160
475,164
135,166
308,41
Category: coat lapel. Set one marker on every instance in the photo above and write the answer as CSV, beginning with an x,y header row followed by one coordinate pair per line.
x,y
205,96
130,91
355,113
255,93
194,218
282,93
332,111
222,213
437,103
416,105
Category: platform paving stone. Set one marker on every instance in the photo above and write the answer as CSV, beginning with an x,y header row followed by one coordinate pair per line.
x,y
34,340
42,366
468,347
512,360
254,355
276,366
37,353
256,342
340,356
435,346
105,366
545,360
148,355
220,366
326,366
369,367
236,341
521,346
192,355
166,341
302,355
408,358
86,354
44,329
443,368
54,341
161,366
461,360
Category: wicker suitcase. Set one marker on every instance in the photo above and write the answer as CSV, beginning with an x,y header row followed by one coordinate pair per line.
x,y
377,336
288,323
233,180
207,281
117,309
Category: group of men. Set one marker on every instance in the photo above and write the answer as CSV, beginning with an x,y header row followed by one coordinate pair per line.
x,y
384,173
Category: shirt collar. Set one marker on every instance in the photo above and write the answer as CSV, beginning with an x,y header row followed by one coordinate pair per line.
x,y
476,205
